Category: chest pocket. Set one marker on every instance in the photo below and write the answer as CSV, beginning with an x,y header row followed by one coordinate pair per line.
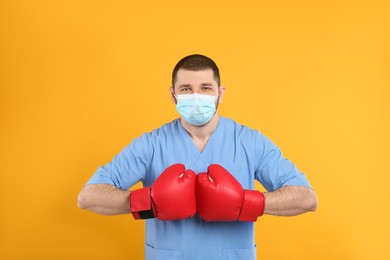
x,y
157,254
239,254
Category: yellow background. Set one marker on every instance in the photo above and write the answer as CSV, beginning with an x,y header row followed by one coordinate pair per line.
x,y
81,79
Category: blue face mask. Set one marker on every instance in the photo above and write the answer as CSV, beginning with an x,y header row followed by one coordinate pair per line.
x,y
196,109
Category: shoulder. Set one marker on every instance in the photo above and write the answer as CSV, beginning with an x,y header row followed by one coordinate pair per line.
x,y
245,135
239,129
163,132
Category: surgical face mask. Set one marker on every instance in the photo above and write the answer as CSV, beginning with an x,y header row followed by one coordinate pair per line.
x,y
196,109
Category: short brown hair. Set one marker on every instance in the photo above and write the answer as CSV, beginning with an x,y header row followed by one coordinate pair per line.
x,y
196,62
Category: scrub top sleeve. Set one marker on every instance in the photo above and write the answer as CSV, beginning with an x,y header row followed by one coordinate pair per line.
x,y
127,167
273,170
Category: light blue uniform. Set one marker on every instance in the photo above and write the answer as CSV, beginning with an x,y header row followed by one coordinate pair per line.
x,y
245,153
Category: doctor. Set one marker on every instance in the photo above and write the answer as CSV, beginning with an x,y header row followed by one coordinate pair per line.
x,y
198,174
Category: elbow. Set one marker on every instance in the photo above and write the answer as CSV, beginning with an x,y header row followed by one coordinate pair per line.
x,y
82,199
311,201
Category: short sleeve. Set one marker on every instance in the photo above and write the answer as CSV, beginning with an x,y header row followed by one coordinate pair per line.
x,y
273,170
127,167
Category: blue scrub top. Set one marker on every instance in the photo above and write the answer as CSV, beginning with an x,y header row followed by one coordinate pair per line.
x,y
245,153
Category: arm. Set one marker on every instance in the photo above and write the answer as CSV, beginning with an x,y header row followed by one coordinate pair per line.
x,y
104,199
171,197
290,201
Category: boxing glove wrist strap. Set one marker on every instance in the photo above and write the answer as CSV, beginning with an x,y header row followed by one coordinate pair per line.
x,y
253,206
140,204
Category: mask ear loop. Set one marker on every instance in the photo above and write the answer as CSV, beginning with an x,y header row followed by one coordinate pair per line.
x,y
174,95
217,99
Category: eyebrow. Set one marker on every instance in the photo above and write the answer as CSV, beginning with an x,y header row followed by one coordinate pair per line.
x,y
184,86
189,85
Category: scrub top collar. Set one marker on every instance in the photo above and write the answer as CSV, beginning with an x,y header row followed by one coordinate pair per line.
x,y
188,140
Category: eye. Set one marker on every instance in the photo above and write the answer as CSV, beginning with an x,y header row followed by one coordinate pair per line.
x,y
185,90
206,88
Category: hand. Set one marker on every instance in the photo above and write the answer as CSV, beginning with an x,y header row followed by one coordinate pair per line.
x,y
220,197
171,197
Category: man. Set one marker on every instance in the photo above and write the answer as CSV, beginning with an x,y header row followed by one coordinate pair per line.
x,y
198,172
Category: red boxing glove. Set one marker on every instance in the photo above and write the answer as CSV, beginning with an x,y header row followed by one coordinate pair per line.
x,y
220,197
171,197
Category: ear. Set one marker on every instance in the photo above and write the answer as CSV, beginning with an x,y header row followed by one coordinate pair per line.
x,y
172,95
221,93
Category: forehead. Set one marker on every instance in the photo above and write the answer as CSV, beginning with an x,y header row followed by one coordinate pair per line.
x,y
194,77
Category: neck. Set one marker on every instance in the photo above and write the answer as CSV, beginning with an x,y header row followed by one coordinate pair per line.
x,y
202,132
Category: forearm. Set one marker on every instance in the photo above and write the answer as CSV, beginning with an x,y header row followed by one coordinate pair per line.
x,y
290,201
104,199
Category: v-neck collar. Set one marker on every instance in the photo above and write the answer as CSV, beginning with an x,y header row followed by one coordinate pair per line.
x,y
188,140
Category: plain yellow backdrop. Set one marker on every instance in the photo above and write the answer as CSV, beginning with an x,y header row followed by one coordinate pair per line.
x,y
81,79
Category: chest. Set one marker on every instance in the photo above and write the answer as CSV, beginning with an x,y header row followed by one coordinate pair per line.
x,y
197,155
